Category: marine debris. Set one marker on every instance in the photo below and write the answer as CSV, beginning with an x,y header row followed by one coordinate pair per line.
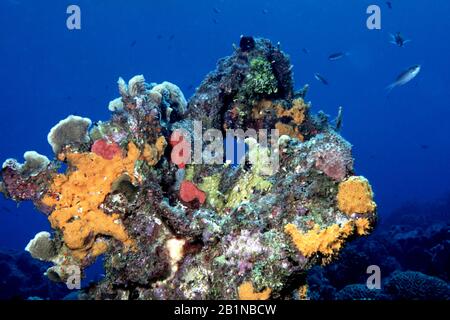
x,y
186,230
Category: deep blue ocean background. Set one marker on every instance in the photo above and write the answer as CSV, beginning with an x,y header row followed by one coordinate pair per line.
x,y
401,141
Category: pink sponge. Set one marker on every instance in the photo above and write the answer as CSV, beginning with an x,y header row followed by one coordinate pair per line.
x,y
189,192
105,149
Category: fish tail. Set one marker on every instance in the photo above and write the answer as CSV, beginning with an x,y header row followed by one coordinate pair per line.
x,y
390,87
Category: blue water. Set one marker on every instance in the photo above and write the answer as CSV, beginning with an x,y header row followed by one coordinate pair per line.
x,y
401,141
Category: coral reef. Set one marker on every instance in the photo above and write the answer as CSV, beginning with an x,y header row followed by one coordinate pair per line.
x,y
186,230
411,248
411,285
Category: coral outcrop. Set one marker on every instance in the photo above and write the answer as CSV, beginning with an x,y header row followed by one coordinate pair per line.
x,y
205,229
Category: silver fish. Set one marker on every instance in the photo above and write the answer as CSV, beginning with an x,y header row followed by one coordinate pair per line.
x,y
336,56
321,78
405,77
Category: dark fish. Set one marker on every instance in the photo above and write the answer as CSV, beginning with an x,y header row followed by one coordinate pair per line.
x,y
321,78
398,40
216,10
336,56
215,21
133,43
424,146
389,4
305,51
405,77
159,37
265,11
171,37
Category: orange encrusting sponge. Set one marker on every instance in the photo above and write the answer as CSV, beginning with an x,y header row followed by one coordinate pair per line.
x,y
247,292
355,196
328,241
76,198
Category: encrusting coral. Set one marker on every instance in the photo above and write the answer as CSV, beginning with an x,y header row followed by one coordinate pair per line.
x,y
170,229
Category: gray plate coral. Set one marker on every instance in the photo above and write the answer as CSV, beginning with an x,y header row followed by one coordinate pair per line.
x,y
197,231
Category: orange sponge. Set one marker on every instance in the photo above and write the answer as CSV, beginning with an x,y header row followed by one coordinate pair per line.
x,y
355,196
328,241
247,292
76,198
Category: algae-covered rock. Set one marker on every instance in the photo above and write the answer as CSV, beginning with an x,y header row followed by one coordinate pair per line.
x,y
174,221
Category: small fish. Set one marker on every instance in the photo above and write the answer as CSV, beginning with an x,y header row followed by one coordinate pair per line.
x,y
133,43
338,121
159,37
216,10
305,51
215,21
389,4
321,79
265,11
336,56
405,77
171,37
424,146
398,40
